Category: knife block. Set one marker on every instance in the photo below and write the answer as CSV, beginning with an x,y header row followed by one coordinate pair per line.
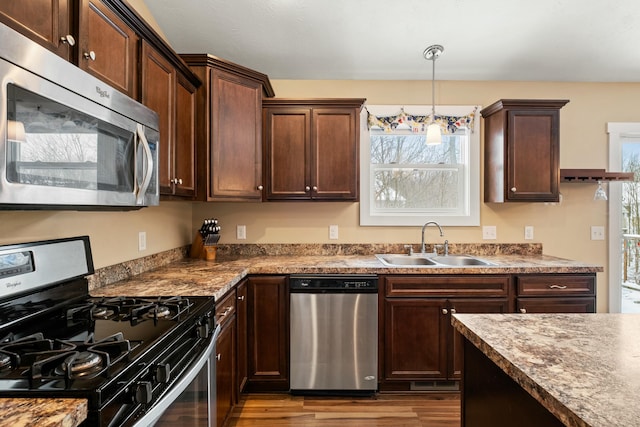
x,y
201,251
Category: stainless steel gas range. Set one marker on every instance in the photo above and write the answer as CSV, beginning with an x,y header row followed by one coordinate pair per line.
x,y
139,361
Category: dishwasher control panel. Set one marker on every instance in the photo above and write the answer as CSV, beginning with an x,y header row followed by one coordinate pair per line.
x,y
333,283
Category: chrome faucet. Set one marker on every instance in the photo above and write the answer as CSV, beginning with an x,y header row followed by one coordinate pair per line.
x,y
423,228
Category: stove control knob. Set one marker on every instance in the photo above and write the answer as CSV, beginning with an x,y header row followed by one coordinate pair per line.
x,y
142,392
162,372
203,328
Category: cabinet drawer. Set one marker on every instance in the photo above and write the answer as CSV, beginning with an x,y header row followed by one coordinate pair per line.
x,y
556,285
446,286
226,308
556,305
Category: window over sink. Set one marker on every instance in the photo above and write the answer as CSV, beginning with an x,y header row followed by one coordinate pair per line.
x,y
404,182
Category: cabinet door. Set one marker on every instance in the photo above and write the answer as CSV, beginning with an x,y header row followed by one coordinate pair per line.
x,y
107,46
288,153
241,322
158,93
334,163
415,339
533,155
44,21
185,142
268,332
224,373
556,305
236,138
477,305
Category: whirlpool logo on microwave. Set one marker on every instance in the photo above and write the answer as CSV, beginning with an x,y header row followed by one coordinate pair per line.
x,y
102,93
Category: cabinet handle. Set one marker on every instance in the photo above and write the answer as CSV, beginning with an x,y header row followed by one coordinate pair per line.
x,y
241,298
453,311
89,55
557,286
315,188
444,311
307,188
260,187
68,39
523,310
513,189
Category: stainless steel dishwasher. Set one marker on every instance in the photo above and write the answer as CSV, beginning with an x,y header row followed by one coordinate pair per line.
x,y
334,333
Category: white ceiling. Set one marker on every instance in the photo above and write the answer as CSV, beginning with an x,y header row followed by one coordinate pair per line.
x,y
522,40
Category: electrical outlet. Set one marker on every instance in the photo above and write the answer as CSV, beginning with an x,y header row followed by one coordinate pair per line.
x,y
333,232
241,232
142,241
528,232
597,232
489,232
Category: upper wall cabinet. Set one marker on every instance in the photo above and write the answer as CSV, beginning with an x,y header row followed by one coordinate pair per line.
x,y
47,22
229,124
311,149
522,150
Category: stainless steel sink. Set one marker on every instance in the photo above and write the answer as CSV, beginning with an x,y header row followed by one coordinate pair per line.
x,y
459,260
435,261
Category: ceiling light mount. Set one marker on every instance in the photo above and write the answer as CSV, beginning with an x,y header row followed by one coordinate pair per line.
x,y
433,52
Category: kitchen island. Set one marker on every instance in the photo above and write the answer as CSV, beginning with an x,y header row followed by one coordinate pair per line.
x,y
550,369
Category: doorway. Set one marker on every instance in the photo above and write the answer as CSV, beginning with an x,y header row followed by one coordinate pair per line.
x,y
624,219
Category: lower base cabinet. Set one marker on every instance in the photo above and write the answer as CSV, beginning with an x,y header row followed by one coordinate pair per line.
x,y
226,388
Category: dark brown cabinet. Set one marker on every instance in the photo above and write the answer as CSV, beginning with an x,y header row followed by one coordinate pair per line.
x,y
226,357
167,92
229,123
241,323
556,293
46,22
311,148
268,334
522,150
419,343
107,46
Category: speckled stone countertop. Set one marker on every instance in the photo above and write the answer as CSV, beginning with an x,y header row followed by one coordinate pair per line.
x,y
189,277
583,368
42,412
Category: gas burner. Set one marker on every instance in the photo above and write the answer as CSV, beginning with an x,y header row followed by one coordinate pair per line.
x,y
80,364
158,312
101,312
5,361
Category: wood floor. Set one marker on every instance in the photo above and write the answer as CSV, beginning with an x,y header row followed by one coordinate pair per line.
x,y
383,410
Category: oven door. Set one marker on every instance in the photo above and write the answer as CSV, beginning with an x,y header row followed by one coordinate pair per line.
x,y
192,401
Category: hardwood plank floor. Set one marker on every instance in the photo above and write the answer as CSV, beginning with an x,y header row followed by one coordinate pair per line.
x,y
383,410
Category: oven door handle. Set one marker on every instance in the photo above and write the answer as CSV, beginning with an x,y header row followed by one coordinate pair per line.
x,y
158,409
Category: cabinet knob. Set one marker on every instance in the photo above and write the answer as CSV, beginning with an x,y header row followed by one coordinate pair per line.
x,y
176,181
218,357
513,189
523,310
307,188
315,188
260,187
444,311
89,55
241,298
68,39
453,311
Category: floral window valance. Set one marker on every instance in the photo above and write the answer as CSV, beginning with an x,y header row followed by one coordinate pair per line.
x,y
419,123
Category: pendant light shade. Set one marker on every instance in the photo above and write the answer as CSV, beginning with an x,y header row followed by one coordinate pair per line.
x,y
434,134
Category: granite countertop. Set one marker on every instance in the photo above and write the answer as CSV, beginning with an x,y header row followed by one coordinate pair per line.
x,y
42,412
195,277
583,368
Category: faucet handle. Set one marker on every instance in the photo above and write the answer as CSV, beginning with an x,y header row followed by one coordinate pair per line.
x,y
410,249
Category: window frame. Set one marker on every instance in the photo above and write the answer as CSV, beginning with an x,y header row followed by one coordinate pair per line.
x,y
471,216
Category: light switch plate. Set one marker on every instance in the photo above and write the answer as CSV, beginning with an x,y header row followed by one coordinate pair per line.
x,y
528,232
241,232
489,232
142,241
333,232
597,232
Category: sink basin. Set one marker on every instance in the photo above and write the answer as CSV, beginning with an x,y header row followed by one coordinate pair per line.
x,y
436,261
398,259
459,260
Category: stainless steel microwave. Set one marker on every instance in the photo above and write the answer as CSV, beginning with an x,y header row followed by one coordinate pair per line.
x,y
68,140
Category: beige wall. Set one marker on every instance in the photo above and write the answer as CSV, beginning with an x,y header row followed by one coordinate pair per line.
x,y
563,229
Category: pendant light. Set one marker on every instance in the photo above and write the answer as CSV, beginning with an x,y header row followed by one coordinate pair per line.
x,y
434,135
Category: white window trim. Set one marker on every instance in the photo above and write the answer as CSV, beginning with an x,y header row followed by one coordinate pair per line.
x,y
414,218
